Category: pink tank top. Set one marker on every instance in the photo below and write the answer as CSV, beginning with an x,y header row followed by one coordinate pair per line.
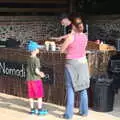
x,y
77,49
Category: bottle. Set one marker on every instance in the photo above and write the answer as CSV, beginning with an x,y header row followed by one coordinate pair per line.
x,y
53,46
50,47
101,42
47,45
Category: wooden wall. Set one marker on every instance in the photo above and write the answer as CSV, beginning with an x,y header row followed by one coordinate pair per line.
x,y
38,6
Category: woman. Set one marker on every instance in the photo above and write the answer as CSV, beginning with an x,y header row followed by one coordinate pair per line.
x,y
76,68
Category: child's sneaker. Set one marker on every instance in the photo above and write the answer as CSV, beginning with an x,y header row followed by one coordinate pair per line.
x,y
42,112
33,111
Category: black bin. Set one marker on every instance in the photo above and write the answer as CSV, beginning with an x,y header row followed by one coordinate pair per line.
x,y
103,95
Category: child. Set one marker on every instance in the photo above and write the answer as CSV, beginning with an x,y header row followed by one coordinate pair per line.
x,y
34,82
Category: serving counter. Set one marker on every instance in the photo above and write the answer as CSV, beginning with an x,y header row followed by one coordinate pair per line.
x,y
13,71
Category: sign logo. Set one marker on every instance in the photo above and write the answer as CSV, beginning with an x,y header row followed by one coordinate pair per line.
x,y
13,69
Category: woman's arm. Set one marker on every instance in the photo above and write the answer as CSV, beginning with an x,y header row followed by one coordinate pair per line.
x,y
60,38
66,44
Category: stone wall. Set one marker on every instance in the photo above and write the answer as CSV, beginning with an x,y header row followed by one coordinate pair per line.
x,y
105,28
25,27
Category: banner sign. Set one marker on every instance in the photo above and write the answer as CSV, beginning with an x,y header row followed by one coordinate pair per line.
x,y
15,69
12,69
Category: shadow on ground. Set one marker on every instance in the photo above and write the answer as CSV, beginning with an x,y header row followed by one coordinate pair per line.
x,y
21,105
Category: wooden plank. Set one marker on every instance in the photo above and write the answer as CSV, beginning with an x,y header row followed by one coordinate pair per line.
x,y
34,1
54,10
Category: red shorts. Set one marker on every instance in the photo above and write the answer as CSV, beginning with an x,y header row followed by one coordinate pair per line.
x,y
35,89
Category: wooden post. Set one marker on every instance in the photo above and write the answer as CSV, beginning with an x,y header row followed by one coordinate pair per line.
x,y
72,6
